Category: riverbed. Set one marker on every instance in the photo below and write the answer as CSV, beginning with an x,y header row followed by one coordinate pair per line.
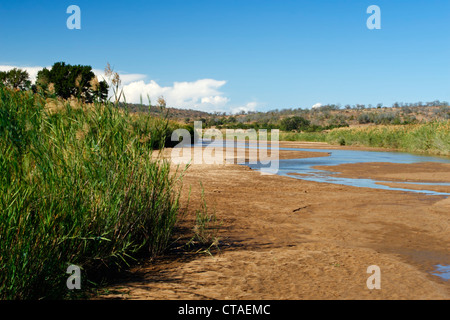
x,y
284,237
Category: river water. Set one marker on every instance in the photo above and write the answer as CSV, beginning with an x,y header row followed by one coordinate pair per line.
x,y
303,168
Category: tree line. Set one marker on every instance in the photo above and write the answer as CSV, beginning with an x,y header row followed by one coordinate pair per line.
x,y
61,80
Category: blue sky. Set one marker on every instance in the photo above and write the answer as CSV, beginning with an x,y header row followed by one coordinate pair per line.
x,y
243,54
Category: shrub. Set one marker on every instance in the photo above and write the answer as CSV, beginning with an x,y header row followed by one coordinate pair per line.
x,y
294,123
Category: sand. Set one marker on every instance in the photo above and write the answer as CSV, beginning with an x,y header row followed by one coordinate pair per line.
x,y
287,239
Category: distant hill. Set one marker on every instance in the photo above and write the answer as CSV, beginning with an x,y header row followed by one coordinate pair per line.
x,y
320,118
182,115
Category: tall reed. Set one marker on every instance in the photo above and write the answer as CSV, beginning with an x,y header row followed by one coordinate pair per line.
x,y
78,186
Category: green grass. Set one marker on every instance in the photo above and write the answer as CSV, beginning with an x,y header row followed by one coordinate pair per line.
x,y
430,138
78,186
244,134
303,136
205,229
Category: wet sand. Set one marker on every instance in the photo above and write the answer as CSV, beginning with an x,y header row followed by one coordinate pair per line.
x,y
284,238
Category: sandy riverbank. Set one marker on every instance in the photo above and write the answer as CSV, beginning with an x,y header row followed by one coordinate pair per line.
x,y
284,238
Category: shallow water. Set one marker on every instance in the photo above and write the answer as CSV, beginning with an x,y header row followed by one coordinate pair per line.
x,y
302,168
442,271
291,167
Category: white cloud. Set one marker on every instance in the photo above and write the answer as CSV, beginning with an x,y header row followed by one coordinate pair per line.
x,y
215,100
202,94
317,105
251,106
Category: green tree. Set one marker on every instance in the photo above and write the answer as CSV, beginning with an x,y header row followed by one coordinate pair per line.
x,y
15,79
294,123
73,81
